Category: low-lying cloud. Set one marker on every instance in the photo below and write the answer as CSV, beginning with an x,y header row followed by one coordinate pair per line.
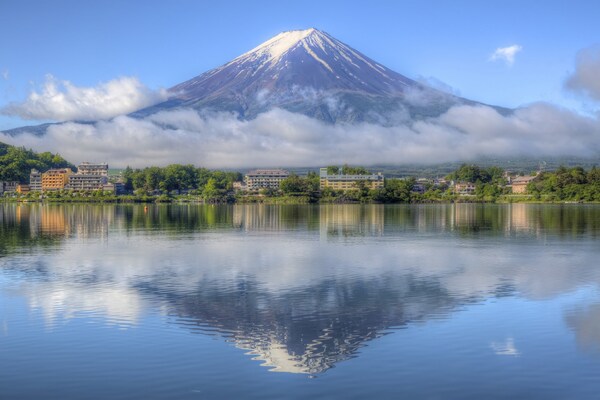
x,y
586,77
62,101
282,138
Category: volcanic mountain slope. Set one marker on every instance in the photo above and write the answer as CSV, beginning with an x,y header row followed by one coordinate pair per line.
x,y
312,73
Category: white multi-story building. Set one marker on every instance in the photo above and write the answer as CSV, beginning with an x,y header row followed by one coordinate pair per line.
x,y
89,176
265,178
86,182
87,168
35,181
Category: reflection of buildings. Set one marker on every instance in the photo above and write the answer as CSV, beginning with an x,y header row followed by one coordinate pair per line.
x,y
53,221
259,217
465,215
518,218
83,221
351,220
250,218
504,219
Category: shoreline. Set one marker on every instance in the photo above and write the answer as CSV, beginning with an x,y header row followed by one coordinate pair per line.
x,y
273,200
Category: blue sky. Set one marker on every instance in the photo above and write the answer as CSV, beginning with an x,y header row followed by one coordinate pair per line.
x,y
163,43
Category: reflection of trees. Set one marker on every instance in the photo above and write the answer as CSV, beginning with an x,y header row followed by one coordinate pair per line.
x,y
259,217
567,220
176,219
308,329
93,220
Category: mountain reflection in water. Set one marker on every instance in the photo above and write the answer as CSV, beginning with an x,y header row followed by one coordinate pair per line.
x,y
299,287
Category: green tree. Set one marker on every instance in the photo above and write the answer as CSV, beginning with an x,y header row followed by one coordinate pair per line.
x,y
395,191
294,185
128,178
348,170
210,192
333,170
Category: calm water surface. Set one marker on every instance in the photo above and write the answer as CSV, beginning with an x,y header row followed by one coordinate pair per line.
x,y
196,302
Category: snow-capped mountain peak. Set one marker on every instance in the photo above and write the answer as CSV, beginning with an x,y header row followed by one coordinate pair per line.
x,y
310,72
311,40
278,45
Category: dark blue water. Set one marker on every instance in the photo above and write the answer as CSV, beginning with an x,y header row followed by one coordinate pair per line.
x,y
343,301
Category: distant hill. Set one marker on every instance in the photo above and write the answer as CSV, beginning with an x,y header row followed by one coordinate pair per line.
x,y
16,162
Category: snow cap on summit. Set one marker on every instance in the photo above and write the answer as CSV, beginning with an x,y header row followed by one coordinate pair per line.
x,y
281,44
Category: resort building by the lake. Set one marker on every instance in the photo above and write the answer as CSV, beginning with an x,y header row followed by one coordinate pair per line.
x,y
464,188
265,178
35,181
348,182
8,186
87,168
55,179
519,184
89,176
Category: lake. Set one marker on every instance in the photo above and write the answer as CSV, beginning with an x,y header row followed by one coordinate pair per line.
x,y
454,301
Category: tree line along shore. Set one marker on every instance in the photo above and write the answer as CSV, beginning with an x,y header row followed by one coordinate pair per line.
x,y
187,183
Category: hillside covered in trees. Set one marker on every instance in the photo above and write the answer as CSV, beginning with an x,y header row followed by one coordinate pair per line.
x,y
16,162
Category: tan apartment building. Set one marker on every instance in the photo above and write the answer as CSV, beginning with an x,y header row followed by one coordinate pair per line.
x,y
56,179
348,182
23,188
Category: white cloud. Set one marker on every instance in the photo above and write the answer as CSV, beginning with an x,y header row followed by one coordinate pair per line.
x,y
586,79
506,54
5,74
506,348
439,85
61,100
281,138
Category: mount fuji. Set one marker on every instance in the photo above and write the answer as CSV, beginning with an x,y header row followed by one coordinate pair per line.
x,y
307,72
311,73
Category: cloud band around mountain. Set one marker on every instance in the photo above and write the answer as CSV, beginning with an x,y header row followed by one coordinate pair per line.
x,y
282,138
